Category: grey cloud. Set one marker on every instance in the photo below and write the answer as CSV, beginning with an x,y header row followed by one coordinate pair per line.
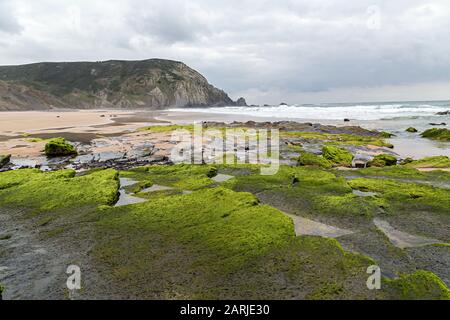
x,y
295,48
8,20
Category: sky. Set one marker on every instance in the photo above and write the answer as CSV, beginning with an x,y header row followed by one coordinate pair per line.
x,y
266,51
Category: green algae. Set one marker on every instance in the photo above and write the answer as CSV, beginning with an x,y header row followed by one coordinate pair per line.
x,y
349,204
440,162
337,156
167,128
180,176
214,243
309,159
399,172
437,134
421,285
411,130
339,139
315,192
385,134
222,242
382,160
407,197
59,147
42,192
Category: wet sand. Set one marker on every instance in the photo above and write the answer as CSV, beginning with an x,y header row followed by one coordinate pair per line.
x,y
84,121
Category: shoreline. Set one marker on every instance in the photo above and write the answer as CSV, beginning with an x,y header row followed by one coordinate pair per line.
x,y
83,126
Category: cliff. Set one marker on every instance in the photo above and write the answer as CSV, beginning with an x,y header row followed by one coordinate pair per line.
x,y
152,84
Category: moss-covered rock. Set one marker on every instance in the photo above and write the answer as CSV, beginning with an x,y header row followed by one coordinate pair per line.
x,y
407,197
58,147
385,134
411,130
439,162
218,243
4,160
382,160
437,134
42,192
339,139
337,156
421,285
309,159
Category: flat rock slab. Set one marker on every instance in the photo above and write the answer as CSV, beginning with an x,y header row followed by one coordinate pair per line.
x,y
307,227
402,239
155,188
126,182
125,199
364,194
222,178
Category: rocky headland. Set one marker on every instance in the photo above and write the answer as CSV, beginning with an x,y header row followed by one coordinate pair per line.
x,y
147,84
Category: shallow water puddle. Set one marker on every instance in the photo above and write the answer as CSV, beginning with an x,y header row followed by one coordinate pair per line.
x,y
364,194
125,198
126,182
155,188
307,227
222,178
402,239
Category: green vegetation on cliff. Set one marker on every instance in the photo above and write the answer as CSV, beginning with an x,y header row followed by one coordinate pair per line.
x,y
153,83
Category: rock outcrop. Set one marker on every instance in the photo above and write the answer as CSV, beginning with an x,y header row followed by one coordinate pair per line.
x,y
153,84
241,102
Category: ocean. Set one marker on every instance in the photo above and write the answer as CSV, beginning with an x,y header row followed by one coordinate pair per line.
x,y
337,111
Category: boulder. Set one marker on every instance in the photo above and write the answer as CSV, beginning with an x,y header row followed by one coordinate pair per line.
x,y
4,160
383,160
59,147
241,102
411,130
337,155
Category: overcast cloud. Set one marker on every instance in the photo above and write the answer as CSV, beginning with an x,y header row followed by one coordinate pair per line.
x,y
268,51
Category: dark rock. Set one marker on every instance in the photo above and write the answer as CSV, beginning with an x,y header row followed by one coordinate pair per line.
x,y
443,113
241,102
346,120
438,124
4,160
